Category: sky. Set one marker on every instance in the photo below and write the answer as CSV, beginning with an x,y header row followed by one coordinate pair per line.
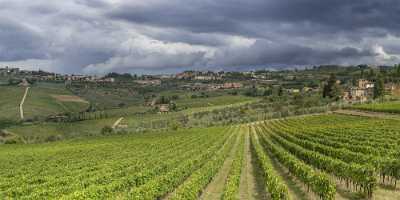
x,y
168,36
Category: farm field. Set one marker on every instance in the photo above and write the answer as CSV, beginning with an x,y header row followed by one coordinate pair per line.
x,y
42,100
111,98
325,156
48,99
389,107
233,102
212,101
32,133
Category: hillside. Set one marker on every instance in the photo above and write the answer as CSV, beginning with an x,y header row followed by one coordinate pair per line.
x,y
42,100
9,102
135,121
386,107
225,110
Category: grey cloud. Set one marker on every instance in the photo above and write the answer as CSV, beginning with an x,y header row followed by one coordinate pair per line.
x,y
173,35
74,59
18,42
149,62
93,3
104,35
196,16
262,53
232,16
43,9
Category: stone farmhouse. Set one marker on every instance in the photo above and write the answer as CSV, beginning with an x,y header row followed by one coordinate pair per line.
x,y
360,93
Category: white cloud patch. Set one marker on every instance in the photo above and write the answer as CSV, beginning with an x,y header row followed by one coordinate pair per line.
x,y
146,53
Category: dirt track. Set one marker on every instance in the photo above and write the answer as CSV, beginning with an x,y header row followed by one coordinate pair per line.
x,y
69,98
367,114
21,105
117,123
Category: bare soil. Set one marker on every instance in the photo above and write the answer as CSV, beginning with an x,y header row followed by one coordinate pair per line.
x,y
367,114
251,184
69,98
215,188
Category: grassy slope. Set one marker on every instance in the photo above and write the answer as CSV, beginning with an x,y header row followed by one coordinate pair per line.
x,y
212,101
39,100
390,107
9,102
38,103
106,98
39,132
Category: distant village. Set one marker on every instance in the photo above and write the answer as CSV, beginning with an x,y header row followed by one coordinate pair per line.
x,y
145,80
47,76
360,90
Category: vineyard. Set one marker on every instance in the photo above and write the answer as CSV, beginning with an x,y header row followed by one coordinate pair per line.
x,y
131,167
389,107
312,157
334,156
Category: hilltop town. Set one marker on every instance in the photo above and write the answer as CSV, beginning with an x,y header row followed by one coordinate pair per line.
x,y
355,83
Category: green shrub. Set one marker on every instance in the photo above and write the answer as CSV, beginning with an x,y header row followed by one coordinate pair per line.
x,y
54,138
107,130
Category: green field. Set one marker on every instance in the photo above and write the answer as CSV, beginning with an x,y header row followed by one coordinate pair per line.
x,y
389,107
212,101
32,133
109,96
9,102
48,131
241,112
40,102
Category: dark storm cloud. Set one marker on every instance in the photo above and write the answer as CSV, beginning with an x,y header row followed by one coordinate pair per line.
x,y
340,14
18,42
233,16
263,52
98,36
196,16
74,59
